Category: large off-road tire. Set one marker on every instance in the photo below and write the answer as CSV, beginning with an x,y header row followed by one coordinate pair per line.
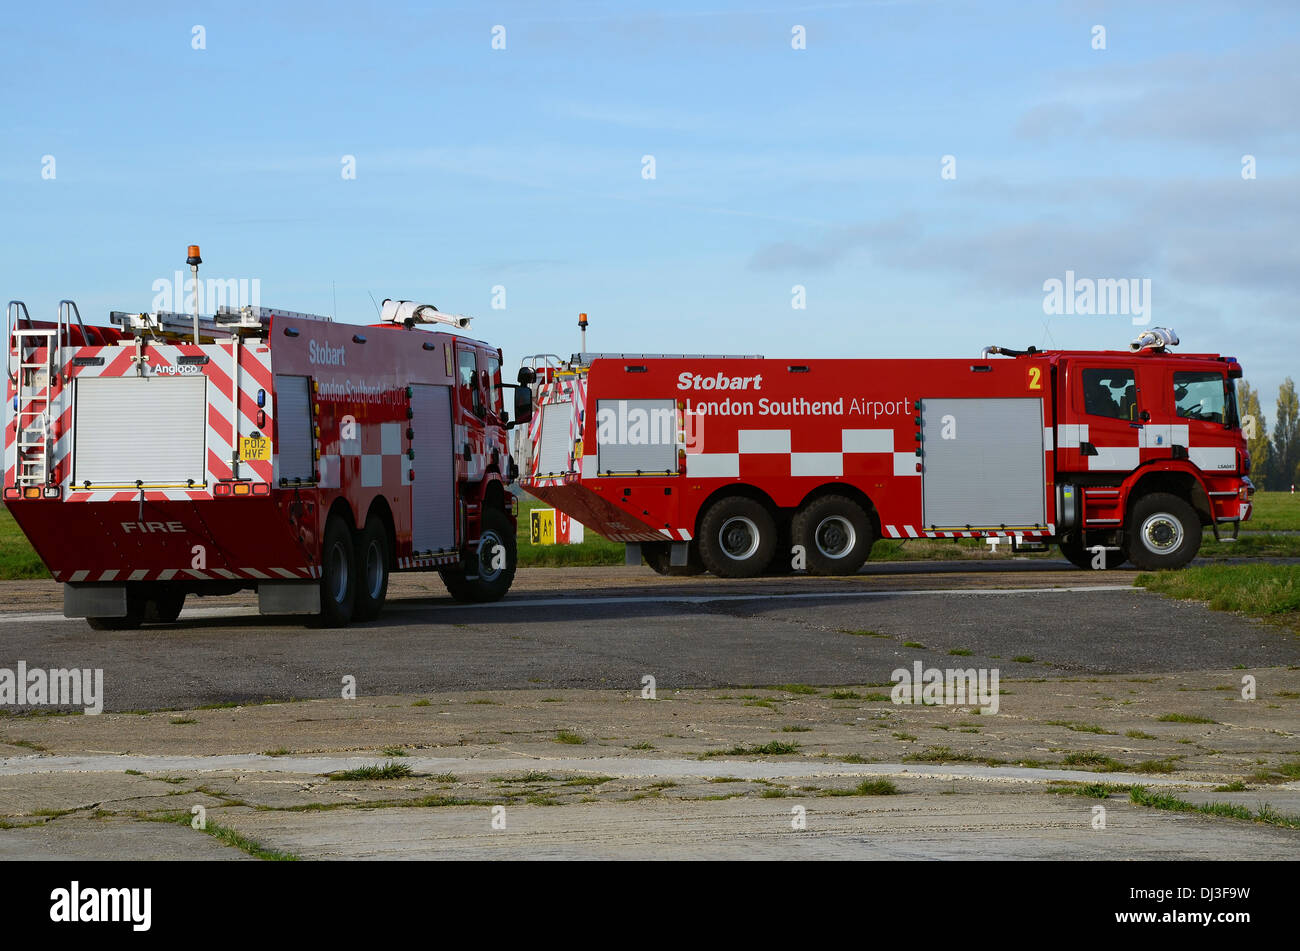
x,y
487,579
658,555
1078,555
373,563
738,537
835,533
1164,532
338,580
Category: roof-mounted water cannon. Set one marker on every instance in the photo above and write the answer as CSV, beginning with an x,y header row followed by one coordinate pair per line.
x,y
1157,338
193,259
411,312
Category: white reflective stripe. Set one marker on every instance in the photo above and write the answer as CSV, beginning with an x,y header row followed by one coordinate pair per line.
x,y
167,575
764,440
1112,458
138,575
816,464
372,471
891,531
108,575
390,439
686,536
905,464
1213,457
1162,435
194,573
331,472
224,572
911,532
284,572
253,572
867,440
1047,438
1070,435
78,576
713,465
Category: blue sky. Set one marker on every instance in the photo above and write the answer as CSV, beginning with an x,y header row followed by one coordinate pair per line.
x,y
774,167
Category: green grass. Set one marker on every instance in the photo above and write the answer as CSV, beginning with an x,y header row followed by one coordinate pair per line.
x,y
1263,591
774,748
593,550
389,770
1140,796
1274,512
568,736
17,557
868,787
1183,718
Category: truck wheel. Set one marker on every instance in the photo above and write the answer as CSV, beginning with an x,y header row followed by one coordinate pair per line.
x,y
737,538
495,558
659,557
338,577
135,610
372,571
1164,532
1078,555
835,533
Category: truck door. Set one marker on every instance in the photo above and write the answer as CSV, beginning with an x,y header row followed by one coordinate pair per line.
x,y
1205,418
1103,433
472,396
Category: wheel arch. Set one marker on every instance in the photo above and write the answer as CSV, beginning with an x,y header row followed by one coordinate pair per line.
x,y
742,490
1182,482
848,491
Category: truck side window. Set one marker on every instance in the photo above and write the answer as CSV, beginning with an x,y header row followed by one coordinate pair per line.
x,y
470,395
1200,395
1110,392
494,385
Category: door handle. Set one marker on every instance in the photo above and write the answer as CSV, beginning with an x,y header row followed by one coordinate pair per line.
x,y
468,455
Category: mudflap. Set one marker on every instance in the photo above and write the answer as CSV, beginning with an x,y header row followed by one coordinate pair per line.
x,y
288,597
94,600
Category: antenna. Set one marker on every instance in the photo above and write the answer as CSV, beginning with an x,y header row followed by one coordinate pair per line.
x,y
378,311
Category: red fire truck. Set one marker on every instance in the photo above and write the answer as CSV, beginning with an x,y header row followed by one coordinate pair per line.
x,y
725,463
169,455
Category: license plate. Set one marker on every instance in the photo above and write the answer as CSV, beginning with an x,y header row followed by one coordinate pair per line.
x,y
255,448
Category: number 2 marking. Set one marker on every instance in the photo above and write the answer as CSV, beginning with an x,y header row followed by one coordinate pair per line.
x,y
1035,378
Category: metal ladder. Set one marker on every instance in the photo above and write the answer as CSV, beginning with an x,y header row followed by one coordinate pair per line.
x,y
34,383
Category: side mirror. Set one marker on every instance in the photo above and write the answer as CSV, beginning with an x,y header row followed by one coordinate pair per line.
x,y
527,376
523,404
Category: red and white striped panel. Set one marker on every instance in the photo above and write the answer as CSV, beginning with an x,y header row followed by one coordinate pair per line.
x,y
223,428
562,389
910,531
190,574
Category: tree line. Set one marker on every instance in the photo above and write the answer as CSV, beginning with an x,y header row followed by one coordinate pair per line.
x,y
1275,460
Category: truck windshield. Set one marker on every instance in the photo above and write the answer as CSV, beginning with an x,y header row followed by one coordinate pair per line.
x,y
1203,395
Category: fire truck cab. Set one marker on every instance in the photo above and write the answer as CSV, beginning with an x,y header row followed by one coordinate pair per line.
x,y
168,455
741,465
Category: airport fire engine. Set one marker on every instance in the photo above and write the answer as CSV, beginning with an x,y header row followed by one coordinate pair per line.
x,y
741,465
167,454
